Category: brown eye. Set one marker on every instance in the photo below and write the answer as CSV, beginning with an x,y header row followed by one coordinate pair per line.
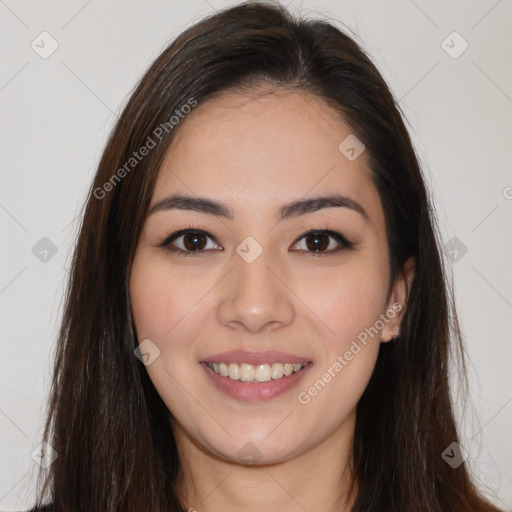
x,y
322,241
317,242
188,242
194,241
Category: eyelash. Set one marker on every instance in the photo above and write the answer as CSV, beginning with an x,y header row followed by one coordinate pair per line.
x,y
344,242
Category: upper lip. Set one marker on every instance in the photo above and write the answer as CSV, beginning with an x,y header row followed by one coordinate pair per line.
x,y
254,358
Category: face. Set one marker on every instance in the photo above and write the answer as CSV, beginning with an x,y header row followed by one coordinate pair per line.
x,y
264,253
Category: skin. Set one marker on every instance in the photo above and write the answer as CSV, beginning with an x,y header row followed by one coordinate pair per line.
x,y
255,154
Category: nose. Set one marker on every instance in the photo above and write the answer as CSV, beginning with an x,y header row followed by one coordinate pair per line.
x,y
254,297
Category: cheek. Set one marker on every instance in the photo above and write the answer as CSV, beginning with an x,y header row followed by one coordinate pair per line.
x,y
164,306
350,308
347,301
161,301
151,302
347,304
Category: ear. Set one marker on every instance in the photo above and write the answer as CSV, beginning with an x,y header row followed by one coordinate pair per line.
x,y
395,308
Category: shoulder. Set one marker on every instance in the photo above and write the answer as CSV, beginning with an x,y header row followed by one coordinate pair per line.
x,y
44,508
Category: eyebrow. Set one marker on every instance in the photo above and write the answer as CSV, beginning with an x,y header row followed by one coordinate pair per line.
x,y
287,211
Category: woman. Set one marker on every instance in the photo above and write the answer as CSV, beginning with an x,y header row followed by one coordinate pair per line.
x,y
257,312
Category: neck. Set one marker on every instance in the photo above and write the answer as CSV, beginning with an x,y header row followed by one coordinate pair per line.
x,y
318,479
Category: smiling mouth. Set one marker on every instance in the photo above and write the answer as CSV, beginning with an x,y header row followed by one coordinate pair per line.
x,y
256,373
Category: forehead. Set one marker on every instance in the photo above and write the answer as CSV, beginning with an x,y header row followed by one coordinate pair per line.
x,y
257,152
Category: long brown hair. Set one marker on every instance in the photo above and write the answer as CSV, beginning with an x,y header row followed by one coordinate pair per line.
x,y
107,423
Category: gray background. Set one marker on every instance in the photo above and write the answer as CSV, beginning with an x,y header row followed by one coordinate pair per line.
x,y
56,114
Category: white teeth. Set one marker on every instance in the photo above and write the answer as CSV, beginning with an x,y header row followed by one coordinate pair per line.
x,y
256,373
263,373
247,372
277,370
234,371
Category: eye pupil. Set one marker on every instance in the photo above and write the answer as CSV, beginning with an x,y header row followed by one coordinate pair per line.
x,y
194,241
320,242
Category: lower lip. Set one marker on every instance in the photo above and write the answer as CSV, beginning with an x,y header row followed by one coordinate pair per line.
x,y
255,391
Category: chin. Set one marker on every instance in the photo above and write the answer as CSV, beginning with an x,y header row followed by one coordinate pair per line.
x,y
255,453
